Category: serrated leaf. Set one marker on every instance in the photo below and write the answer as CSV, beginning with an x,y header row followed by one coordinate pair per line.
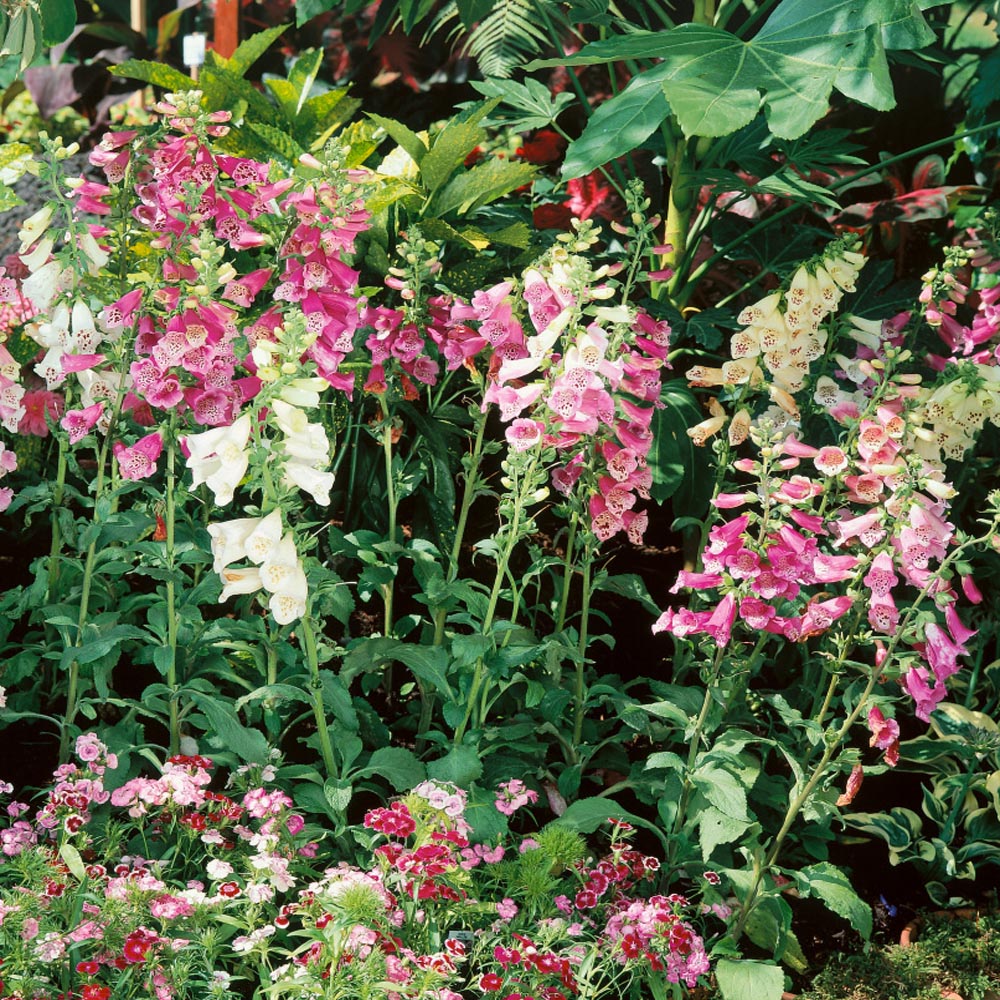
x,y
303,73
724,791
828,883
402,136
442,232
158,74
306,10
285,94
358,137
468,277
484,183
224,90
453,144
619,125
323,115
517,235
279,141
249,51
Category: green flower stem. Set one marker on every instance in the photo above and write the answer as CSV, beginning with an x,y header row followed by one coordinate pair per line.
x,y
567,580
695,746
580,688
831,690
73,685
835,740
472,481
170,552
479,677
58,492
316,694
392,504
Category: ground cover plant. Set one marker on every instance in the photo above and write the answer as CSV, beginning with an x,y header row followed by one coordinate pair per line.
x,y
348,459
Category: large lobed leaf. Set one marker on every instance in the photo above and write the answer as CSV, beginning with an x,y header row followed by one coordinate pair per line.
x,y
715,82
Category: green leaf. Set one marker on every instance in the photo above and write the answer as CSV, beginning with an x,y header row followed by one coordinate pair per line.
x,y
830,885
715,828
677,466
337,699
723,790
788,184
397,765
453,144
461,767
303,74
306,10
628,585
226,732
538,106
323,115
223,89
428,663
487,822
280,142
403,137
58,20
248,52
619,125
506,36
950,719
484,183
742,980
715,81
74,862
159,74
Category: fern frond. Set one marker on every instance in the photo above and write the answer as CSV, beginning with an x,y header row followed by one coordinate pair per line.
x,y
507,37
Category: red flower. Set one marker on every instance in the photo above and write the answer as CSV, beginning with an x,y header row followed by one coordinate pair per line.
x,y
546,147
551,217
93,991
229,889
491,981
89,968
586,899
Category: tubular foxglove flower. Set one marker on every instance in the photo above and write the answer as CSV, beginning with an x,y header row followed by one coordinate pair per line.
x,y
218,458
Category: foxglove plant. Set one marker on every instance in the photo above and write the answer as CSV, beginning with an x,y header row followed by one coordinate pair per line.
x,y
854,558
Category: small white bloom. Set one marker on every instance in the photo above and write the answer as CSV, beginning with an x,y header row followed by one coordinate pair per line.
x,y
240,581
42,285
229,540
218,458
310,480
34,259
261,542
